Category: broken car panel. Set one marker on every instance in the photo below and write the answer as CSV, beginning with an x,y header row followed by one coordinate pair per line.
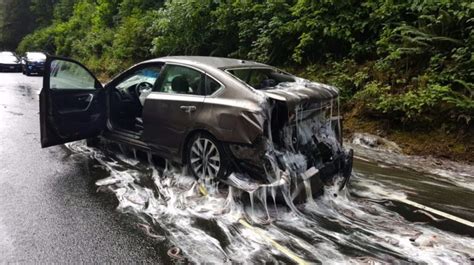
x,y
227,119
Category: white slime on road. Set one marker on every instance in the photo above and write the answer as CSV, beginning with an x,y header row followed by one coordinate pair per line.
x,y
343,229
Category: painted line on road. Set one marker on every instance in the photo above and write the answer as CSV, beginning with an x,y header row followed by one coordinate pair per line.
x,y
290,254
437,212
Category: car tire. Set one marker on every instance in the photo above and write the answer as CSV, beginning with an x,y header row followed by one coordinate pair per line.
x,y
206,157
27,73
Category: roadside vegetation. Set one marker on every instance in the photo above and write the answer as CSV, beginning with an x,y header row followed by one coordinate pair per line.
x,y
405,70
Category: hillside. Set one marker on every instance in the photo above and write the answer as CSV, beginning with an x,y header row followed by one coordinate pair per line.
x,y
405,70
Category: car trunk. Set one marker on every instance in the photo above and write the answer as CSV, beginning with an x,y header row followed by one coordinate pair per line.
x,y
304,145
303,110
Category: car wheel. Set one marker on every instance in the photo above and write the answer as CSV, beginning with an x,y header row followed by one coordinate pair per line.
x,y
27,73
206,157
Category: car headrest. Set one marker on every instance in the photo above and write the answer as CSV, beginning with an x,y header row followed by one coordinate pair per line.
x,y
180,84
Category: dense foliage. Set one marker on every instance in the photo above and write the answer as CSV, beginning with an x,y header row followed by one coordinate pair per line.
x,y
410,62
15,22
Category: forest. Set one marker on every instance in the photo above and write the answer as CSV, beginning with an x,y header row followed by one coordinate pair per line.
x,y
405,69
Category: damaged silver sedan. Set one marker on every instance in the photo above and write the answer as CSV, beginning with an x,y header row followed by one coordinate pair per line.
x,y
243,123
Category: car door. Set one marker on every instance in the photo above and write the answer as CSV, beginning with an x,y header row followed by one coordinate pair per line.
x,y
72,103
170,111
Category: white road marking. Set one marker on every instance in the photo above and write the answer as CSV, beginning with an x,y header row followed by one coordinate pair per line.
x,y
437,212
290,254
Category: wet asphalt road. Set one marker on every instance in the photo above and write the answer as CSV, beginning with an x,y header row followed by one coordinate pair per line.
x,y
49,208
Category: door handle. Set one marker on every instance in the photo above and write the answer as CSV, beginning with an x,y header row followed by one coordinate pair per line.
x,y
188,109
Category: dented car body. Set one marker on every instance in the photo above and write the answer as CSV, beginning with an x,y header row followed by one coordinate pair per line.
x,y
233,120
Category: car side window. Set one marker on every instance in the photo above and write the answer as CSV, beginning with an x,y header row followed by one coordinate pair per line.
x,y
181,80
69,75
212,85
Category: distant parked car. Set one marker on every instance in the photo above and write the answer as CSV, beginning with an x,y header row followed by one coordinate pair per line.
x,y
7,53
9,62
205,112
33,63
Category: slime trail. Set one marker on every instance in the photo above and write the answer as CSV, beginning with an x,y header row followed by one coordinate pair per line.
x,y
344,229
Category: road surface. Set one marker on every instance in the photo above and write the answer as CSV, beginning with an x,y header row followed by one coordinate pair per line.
x,y
49,208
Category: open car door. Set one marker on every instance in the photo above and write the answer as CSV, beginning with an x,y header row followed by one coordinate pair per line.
x,y
72,103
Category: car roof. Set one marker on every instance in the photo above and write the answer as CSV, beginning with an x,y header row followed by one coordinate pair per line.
x,y
7,53
209,61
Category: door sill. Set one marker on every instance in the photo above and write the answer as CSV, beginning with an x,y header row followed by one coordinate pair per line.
x,y
126,137
127,133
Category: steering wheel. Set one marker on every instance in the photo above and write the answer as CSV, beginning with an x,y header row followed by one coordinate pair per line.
x,y
140,87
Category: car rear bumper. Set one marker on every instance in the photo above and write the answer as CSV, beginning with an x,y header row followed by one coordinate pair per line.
x,y
339,167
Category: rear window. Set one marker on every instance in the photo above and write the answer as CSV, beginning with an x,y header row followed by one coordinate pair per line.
x,y
261,78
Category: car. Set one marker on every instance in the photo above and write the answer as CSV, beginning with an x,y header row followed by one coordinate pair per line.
x,y
241,122
9,62
33,62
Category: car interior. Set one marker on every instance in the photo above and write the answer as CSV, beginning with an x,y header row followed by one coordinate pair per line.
x,y
130,91
180,80
128,96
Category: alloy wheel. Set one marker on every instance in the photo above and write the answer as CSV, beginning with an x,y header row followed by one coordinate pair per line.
x,y
205,158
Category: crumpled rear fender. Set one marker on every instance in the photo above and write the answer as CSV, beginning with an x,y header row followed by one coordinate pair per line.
x,y
242,127
242,122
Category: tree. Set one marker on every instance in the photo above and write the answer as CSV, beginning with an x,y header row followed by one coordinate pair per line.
x,y
15,22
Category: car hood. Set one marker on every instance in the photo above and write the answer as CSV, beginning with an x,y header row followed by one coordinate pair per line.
x,y
8,60
301,91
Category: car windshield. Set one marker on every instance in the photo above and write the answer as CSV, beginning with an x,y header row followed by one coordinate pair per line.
x,y
261,78
148,75
36,56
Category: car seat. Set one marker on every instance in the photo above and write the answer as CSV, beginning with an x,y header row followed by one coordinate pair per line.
x,y
180,84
